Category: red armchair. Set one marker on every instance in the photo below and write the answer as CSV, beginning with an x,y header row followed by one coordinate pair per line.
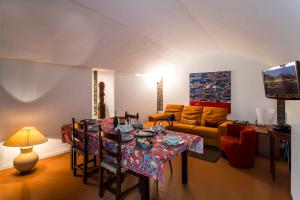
x,y
238,143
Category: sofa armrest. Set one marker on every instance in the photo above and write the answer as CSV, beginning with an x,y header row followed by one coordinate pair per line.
x,y
155,117
222,127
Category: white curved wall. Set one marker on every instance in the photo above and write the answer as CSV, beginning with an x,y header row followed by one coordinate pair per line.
x,y
42,95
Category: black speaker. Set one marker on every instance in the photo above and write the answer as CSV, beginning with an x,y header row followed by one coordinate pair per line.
x,y
283,128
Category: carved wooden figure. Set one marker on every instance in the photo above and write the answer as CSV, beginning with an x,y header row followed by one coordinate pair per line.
x,y
101,107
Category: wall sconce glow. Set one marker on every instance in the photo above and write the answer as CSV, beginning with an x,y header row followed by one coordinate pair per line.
x,y
157,73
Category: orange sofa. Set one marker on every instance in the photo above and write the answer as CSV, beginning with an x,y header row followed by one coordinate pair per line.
x,y
208,122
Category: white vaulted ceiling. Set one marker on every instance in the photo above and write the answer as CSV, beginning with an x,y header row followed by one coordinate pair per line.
x,y
134,35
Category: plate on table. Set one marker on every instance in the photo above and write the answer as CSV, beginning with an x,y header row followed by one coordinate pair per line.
x,y
126,137
90,121
93,128
173,140
124,128
145,134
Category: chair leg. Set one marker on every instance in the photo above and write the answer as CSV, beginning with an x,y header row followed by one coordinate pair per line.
x,y
101,182
74,162
95,161
71,158
118,186
156,185
171,168
85,160
140,188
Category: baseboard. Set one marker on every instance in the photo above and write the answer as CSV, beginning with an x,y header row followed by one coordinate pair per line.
x,y
61,151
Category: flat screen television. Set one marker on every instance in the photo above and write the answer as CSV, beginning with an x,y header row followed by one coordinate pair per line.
x,y
282,82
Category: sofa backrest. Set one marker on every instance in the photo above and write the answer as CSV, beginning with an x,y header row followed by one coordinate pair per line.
x,y
191,115
174,109
214,114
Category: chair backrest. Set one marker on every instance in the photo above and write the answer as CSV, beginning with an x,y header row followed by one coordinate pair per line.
x,y
234,129
248,137
113,151
79,137
128,117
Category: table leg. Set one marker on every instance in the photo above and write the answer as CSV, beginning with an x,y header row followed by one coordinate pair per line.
x,y
71,158
289,155
272,157
144,187
184,163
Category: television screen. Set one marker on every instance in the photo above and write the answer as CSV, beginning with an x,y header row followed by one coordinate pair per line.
x,y
281,82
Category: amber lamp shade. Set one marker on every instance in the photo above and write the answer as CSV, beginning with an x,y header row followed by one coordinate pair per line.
x,y
25,139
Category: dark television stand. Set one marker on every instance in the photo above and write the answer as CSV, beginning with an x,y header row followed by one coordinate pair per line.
x,y
281,132
281,118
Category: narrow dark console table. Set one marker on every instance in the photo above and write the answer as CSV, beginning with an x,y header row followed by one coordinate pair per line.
x,y
275,135
263,142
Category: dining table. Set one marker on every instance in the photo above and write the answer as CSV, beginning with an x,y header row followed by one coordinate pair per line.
x,y
147,163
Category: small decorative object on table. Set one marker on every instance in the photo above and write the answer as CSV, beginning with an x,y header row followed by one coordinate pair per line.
x,y
144,134
241,122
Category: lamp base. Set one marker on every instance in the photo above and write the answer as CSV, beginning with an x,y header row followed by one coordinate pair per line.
x,y
26,160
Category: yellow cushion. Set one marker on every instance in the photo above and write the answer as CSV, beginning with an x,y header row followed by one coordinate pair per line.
x,y
191,115
185,128
205,131
174,109
214,114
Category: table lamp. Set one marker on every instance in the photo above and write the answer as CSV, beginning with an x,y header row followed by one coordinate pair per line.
x,y
25,139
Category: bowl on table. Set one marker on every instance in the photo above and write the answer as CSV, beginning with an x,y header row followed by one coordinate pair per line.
x,y
138,125
158,128
144,143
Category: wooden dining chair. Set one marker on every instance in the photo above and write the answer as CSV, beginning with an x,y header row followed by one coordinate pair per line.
x,y
169,120
79,148
128,117
112,165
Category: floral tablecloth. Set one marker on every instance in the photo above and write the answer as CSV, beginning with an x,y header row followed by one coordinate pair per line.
x,y
149,163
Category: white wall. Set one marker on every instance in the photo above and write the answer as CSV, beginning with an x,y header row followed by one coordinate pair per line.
x,y
108,77
134,94
42,95
247,86
293,118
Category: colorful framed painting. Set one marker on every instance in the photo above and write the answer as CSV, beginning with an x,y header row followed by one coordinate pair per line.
x,y
211,89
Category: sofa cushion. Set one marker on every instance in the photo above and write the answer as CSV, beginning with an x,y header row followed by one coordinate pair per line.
x,y
210,123
185,128
191,115
214,114
205,131
174,109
